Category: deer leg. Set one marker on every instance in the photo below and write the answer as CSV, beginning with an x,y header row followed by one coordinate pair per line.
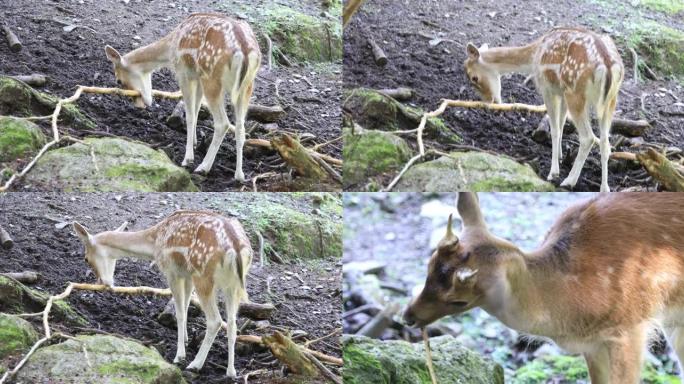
x,y
188,298
605,122
176,285
618,360
232,303
207,299
214,96
240,115
580,116
189,90
553,107
563,116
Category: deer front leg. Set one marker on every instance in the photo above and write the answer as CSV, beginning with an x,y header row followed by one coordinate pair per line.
x,y
207,299
177,287
190,90
240,116
580,116
618,361
553,106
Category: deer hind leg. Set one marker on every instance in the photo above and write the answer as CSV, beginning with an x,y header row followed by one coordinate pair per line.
x,y
177,286
240,115
214,95
190,88
563,116
188,298
207,298
579,113
605,122
618,361
232,297
553,106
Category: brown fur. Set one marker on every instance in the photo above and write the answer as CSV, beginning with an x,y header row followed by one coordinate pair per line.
x,y
606,270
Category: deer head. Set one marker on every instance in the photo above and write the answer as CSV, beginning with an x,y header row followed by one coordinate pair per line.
x,y
101,258
485,78
465,271
129,77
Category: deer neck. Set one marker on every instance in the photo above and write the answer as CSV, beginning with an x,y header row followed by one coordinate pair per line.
x,y
138,245
510,59
151,57
517,297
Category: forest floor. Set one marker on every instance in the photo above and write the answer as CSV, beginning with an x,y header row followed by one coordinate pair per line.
x,y
310,94
436,72
45,243
378,225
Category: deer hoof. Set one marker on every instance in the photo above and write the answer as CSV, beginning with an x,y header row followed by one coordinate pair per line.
x,y
187,162
240,176
202,170
552,176
231,373
178,359
568,183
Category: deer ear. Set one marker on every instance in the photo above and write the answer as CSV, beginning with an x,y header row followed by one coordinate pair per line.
x,y
472,51
122,227
81,232
113,55
469,208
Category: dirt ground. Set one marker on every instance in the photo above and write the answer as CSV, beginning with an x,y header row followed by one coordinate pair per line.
x,y
78,58
437,72
57,255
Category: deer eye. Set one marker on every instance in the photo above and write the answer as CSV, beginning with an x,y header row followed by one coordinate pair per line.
x,y
119,83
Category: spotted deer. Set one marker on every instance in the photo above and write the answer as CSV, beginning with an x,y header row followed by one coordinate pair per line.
x,y
197,249
609,271
211,54
575,70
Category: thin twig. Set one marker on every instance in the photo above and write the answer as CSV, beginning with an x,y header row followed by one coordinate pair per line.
x,y
428,355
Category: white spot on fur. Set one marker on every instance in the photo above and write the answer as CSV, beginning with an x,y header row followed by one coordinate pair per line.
x,y
465,273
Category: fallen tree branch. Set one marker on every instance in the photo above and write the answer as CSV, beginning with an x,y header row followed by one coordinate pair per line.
x,y
299,158
668,173
34,80
290,354
253,339
12,39
401,94
26,277
5,239
378,54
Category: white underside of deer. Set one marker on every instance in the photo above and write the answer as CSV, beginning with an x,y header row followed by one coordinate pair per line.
x,y
194,250
575,71
211,55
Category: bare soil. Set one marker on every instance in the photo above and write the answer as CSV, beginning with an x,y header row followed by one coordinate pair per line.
x,y
78,58
40,245
436,72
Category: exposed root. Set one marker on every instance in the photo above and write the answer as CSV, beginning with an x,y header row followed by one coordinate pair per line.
x,y
428,357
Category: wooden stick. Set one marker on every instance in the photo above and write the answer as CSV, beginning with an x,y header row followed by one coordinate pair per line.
x,y
176,119
298,157
663,170
265,113
323,369
35,79
12,39
253,339
401,94
380,322
378,54
26,277
5,239
290,354
428,354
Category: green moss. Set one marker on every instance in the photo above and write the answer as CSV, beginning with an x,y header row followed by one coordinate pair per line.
x,y
146,373
666,6
119,165
19,138
372,153
661,46
16,335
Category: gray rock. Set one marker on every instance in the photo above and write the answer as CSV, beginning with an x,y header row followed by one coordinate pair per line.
x,y
122,165
16,335
110,360
371,153
472,171
19,138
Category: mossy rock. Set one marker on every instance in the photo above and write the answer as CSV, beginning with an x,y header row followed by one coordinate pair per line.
x,y
370,153
298,31
16,335
671,7
374,110
398,362
19,99
110,360
662,47
15,297
472,171
122,165
296,235
19,138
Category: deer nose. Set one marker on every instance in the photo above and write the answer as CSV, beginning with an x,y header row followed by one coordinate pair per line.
x,y
409,318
